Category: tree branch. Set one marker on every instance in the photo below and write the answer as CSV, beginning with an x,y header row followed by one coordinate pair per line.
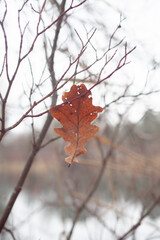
x,y
36,147
135,226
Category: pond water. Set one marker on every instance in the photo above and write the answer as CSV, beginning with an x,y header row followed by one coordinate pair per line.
x,y
32,220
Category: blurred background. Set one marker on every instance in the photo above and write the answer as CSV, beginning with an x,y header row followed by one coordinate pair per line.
x,y
129,125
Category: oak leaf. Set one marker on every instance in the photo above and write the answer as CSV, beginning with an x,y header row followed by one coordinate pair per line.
x,y
76,114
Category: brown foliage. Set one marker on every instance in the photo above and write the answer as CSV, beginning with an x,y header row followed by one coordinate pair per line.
x,y
76,114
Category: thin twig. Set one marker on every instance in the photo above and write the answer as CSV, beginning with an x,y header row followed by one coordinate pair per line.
x,y
91,192
135,226
10,232
50,141
31,158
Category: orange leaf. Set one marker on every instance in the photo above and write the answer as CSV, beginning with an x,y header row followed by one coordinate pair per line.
x,y
76,114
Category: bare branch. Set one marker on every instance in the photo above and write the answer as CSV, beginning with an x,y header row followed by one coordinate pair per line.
x,y
135,226
91,192
3,65
10,232
122,62
35,150
50,141
132,96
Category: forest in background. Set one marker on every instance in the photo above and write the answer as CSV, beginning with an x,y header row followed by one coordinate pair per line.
x,y
131,173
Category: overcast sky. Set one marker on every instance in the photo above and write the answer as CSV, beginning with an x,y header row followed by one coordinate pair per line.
x,y
141,29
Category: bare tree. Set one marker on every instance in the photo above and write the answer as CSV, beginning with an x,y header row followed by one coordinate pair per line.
x,y
49,33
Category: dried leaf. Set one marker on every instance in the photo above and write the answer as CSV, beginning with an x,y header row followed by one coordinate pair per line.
x,y
76,114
